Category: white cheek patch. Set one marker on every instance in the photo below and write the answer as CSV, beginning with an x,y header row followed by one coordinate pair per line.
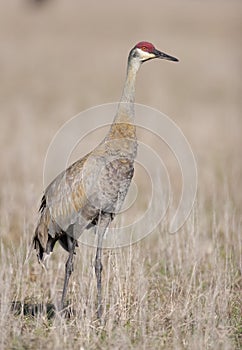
x,y
145,55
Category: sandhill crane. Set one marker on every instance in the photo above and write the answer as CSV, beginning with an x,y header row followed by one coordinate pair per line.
x,y
91,191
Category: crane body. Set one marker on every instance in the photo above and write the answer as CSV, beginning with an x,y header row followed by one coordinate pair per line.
x,y
91,191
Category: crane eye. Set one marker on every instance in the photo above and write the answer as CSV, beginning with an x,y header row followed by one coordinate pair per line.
x,y
144,48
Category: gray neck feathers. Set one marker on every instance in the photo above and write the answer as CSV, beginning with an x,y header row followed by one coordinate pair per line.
x,y
125,111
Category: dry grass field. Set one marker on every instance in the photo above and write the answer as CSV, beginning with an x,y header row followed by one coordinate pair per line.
x,y
179,291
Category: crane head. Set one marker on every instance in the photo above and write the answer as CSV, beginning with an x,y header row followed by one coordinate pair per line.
x,y
146,51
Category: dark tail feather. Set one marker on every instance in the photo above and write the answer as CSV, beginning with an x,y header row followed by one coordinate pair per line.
x,y
64,242
39,249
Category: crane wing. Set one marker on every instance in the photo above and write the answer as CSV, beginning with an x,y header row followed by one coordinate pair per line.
x,y
65,198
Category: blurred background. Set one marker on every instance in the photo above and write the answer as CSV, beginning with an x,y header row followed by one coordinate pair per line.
x,y
59,58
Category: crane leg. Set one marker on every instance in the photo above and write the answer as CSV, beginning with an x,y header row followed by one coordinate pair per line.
x,y
103,223
69,268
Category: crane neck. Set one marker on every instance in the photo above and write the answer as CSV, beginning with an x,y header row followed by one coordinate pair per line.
x,y
123,127
125,111
129,86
